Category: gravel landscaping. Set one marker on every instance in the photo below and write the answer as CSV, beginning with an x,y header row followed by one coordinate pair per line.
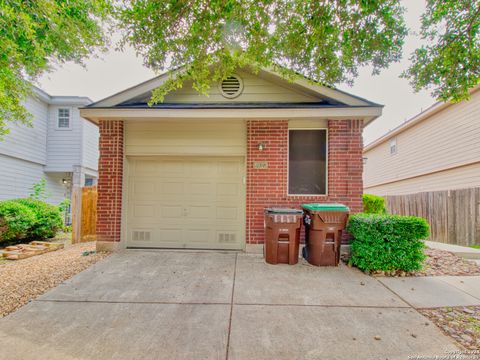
x,y
462,324
439,263
24,280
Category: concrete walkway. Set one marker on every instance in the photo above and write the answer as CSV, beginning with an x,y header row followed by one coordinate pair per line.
x,y
219,305
436,291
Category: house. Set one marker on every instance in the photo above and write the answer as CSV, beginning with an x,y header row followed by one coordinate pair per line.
x,y
436,150
197,171
60,147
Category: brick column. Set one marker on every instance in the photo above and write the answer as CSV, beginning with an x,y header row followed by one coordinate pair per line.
x,y
345,162
110,176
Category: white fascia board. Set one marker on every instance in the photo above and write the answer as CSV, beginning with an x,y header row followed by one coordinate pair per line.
x,y
366,113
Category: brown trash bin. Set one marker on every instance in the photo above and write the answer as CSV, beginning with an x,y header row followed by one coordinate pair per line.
x,y
324,226
282,235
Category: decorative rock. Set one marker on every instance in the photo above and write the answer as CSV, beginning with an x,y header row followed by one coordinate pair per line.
x,y
465,329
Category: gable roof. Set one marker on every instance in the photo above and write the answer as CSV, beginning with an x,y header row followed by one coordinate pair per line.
x,y
303,83
319,97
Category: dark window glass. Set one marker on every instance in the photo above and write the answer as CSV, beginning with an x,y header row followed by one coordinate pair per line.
x,y
307,162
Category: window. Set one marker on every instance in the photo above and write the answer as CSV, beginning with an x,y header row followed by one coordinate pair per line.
x,y
89,181
393,146
63,119
307,162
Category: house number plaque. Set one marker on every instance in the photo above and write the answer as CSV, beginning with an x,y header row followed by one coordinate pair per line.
x,y
260,165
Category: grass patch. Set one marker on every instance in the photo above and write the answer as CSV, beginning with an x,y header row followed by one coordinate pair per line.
x,y
475,246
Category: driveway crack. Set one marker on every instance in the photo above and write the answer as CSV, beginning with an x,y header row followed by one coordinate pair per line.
x,y
231,307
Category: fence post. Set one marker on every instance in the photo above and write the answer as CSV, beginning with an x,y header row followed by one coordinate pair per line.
x,y
76,214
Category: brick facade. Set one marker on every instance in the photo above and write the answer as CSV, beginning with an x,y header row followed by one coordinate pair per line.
x,y
110,175
265,187
268,187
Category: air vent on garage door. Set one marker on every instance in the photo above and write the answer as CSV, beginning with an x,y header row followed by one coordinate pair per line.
x,y
231,87
226,237
141,235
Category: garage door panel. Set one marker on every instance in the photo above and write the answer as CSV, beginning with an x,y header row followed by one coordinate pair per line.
x,y
171,212
189,202
228,189
227,213
229,168
200,188
172,168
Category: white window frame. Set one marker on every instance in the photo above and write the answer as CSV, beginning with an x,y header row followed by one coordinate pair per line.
x,y
393,144
326,162
57,119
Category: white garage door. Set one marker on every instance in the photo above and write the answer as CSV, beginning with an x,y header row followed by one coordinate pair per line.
x,y
186,202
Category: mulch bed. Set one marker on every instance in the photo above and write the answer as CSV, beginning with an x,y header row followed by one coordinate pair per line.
x,y
460,323
24,280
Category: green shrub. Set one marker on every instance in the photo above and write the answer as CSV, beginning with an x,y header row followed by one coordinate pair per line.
x,y
16,220
387,242
48,219
373,204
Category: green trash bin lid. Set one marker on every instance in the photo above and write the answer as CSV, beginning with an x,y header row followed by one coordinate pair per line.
x,y
284,211
325,207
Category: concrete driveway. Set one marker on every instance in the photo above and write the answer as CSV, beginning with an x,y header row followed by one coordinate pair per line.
x,y
217,305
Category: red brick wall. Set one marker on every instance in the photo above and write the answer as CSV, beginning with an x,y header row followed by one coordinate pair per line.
x,y
110,173
268,187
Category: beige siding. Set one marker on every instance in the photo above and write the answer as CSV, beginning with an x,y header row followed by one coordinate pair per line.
x,y
177,137
255,89
459,178
447,139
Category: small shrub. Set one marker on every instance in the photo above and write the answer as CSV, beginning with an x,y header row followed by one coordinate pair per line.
x,y
16,220
373,204
48,219
387,242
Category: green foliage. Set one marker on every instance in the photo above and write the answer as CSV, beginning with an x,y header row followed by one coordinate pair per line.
x,y
387,242
48,219
373,204
207,40
63,206
35,33
16,220
450,61
39,190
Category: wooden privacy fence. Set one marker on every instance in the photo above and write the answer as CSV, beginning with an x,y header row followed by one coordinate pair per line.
x,y
84,214
453,215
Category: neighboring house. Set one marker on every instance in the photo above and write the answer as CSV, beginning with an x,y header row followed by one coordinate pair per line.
x,y
197,171
439,149
60,147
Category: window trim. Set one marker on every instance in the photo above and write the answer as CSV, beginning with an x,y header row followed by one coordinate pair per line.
x,y
57,118
326,162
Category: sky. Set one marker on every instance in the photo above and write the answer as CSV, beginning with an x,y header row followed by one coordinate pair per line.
x,y
111,72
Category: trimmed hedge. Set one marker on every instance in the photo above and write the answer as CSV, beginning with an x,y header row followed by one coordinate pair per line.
x,y
373,204
28,218
48,218
387,242
16,220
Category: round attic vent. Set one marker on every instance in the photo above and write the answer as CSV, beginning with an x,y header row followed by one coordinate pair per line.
x,y
231,87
